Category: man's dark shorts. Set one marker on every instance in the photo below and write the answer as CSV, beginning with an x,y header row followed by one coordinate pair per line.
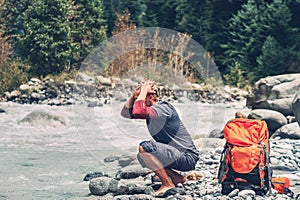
x,y
169,156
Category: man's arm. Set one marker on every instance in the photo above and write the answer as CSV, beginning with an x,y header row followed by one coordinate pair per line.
x,y
140,109
127,108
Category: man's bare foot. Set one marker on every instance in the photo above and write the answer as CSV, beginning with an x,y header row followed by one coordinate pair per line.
x,y
178,179
163,189
175,177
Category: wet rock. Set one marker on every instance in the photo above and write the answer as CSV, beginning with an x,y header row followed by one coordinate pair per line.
x,y
2,110
134,197
104,185
275,93
273,118
296,106
132,171
216,133
126,160
289,131
95,103
247,193
104,81
43,118
92,175
233,193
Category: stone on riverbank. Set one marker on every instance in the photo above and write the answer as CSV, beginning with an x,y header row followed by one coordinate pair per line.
x,y
296,106
275,93
41,118
273,118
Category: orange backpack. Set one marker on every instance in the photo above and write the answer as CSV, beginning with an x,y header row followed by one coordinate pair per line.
x,y
244,162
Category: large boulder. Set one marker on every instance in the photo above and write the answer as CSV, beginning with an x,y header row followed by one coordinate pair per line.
x,y
290,131
273,118
275,93
103,185
42,118
296,107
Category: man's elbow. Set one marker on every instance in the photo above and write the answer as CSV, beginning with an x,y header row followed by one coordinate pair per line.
x,y
126,113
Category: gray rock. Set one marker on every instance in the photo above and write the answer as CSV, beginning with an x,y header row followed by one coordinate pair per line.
x,y
134,197
216,133
273,118
291,131
275,93
139,189
91,175
132,171
2,110
24,87
127,160
245,193
296,106
104,81
234,193
283,106
35,80
42,118
99,186
104,185
95,103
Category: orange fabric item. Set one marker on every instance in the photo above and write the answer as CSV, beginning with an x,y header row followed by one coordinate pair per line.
x,y
244,159
280,183
245,132
246,136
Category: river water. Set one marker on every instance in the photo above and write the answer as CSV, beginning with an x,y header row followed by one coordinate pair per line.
x,y
47,158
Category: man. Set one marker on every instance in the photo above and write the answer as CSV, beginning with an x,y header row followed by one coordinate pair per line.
x,y
172,148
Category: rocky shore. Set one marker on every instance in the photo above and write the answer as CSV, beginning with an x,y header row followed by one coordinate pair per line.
x,y
96,91
134,182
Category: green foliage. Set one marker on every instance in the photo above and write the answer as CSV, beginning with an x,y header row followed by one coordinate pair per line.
x,y
110,8
46,40
88,28
237,77
272,61
12,75
12,16
248,31
199,24
56,36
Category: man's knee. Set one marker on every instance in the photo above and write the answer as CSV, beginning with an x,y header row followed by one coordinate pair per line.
x,y
147,146
141,149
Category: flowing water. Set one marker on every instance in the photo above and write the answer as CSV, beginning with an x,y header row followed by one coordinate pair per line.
x,y
47,157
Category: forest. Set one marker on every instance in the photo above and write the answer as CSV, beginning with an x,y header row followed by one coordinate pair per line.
x,y
247,40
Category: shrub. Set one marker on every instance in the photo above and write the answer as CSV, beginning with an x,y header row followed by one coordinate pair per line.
x,y
12,75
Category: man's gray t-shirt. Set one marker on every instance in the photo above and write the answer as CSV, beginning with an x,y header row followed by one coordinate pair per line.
x,y
167,128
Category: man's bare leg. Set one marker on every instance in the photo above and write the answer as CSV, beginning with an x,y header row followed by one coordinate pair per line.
x,y
155,165
175,176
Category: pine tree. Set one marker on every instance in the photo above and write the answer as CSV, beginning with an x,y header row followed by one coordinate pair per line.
x,y
110,8
5,47
273,60
243,36
88,28
13,20
46,39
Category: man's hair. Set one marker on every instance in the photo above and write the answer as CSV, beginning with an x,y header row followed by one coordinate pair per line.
x,y
155,90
